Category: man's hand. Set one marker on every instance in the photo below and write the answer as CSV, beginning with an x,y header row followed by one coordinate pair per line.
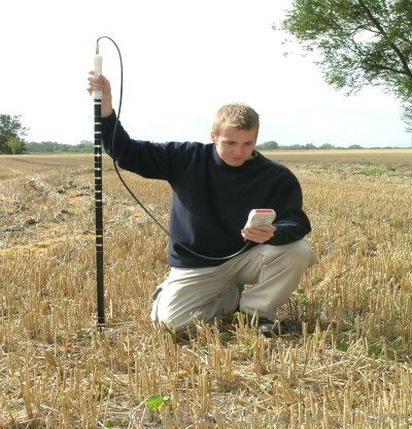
x,y
258,234
100,83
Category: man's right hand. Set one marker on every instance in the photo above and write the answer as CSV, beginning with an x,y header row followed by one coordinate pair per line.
x,y
100,83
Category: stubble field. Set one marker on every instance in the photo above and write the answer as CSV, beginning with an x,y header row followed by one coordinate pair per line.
x,y
349,367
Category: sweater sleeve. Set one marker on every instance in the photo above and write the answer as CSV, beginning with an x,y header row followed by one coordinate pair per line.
x,y
151,160
291,222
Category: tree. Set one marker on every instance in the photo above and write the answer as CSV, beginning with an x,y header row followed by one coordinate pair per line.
x,y
11,130
327,146
310,146
270,145
362,42
15,145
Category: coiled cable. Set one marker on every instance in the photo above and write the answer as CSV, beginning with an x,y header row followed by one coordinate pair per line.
x,y
165,230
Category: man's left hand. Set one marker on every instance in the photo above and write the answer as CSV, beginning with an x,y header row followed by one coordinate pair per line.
x,y
258,234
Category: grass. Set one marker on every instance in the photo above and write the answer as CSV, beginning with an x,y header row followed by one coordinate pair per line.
x,y
349,367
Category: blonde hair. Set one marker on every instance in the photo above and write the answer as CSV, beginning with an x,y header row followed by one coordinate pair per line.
x,y
237,115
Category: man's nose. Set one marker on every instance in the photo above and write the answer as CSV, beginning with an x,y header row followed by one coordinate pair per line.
x,y
239,150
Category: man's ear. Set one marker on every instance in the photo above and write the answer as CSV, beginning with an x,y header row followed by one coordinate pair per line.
x,y
213,136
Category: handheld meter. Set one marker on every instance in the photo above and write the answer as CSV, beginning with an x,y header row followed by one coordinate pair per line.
x,y
260,217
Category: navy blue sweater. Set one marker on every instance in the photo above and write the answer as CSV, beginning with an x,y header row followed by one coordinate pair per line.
x,y
211,200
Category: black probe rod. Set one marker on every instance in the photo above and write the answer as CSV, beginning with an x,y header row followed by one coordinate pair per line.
x,y
98,188
98,191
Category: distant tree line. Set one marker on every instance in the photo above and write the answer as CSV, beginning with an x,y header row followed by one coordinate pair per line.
x,y
272,145
84,146
12,142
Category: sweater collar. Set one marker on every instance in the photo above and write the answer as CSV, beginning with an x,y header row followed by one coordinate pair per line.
x,y
226,167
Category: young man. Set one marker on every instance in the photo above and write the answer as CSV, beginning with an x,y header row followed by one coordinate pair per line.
x,y
214,188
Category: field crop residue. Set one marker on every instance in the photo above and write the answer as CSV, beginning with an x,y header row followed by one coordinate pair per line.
x,y
348,366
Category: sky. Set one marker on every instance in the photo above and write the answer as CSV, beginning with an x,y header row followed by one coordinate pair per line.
x,y
183,59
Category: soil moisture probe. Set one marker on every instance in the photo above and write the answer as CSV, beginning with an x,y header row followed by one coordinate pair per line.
x,y
256,217
98,191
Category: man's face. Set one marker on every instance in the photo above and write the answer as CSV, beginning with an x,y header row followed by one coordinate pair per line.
x,y
235,146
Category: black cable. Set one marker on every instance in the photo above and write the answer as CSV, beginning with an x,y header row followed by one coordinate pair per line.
x,y
211,258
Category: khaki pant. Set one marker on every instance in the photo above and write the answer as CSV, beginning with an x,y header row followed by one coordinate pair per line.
x,y
204,293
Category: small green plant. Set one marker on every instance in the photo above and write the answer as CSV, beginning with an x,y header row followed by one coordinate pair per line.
x,y
155,402
301,297
342,346
225,336
248,344
374,349
374,170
